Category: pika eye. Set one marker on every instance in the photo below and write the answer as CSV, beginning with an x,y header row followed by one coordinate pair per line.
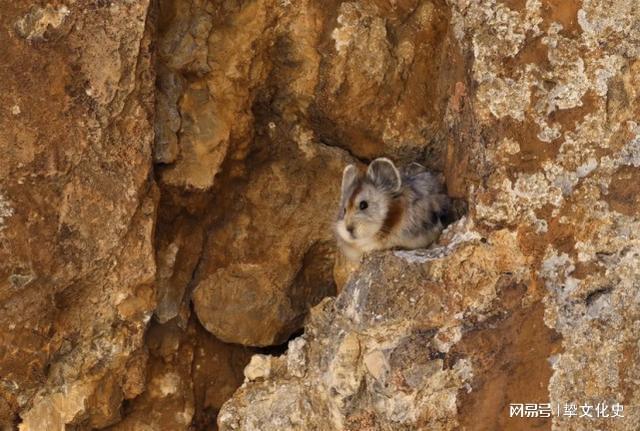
x,y
364,205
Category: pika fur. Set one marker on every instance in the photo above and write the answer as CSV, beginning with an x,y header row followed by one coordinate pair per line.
x,y
383,208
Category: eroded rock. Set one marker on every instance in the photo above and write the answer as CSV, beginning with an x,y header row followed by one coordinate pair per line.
x,y
277,261
188,377
380,354
261,99
530,109
535,300
77,210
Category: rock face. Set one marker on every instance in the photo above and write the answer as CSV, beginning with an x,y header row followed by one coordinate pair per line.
x,y
406,341
534,297
189,375
77,210
260,106
278,256
386,354
169,179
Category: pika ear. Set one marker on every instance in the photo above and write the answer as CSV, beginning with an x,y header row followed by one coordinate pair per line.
x,y
384,175
349,177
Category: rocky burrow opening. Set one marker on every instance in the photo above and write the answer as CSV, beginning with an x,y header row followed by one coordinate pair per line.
x,y
260,105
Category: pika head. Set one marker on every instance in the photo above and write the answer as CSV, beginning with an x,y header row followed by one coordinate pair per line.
x,y
366,201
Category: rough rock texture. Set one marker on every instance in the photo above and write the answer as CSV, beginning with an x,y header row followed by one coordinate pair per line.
x,y
400,346
260,106
77,210
170,172
535,297
189,376
375,356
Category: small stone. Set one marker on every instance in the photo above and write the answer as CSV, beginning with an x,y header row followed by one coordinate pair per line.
x,y
259,368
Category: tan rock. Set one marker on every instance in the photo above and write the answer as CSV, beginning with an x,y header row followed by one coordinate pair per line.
x,y
278,252
258,368
77,209
529,108
189,376
533,297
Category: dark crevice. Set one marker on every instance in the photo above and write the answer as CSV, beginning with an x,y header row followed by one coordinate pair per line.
x,y
596,294
280,349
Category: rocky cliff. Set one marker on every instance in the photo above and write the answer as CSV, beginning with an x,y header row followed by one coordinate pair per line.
x,y
170,173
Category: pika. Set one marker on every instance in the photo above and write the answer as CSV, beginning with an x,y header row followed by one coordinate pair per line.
x,y
385,208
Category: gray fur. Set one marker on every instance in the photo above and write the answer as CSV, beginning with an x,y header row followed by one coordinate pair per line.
x,y
349,177
384,175
381,225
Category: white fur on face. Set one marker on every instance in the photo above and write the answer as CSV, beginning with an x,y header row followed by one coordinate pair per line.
x,y
366,223
341,230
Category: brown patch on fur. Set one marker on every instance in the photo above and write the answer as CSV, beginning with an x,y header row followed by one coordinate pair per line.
x,y
394,216
355,193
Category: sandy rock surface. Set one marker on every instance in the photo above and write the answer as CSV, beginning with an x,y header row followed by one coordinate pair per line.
x,y
171,169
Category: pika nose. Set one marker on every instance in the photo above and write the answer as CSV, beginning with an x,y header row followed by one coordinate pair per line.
x,y
350,229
